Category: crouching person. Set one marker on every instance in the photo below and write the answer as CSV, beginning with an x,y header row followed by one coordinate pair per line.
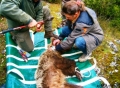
x,y
82,30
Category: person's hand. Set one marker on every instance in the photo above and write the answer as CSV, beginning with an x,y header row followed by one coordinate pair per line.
x,y
39,25
56,42
52,39
33,23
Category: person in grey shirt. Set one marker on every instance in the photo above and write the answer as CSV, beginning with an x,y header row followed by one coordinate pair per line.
x,y
82,30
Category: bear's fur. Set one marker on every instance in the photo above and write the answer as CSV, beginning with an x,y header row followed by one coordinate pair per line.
x,y
52,69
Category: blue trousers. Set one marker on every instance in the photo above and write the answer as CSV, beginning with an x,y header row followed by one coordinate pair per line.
x,y
79,42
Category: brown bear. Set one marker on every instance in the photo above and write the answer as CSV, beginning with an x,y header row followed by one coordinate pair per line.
x,y
53,69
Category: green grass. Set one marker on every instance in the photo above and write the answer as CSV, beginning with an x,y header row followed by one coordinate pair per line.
x,y
102,53
2,53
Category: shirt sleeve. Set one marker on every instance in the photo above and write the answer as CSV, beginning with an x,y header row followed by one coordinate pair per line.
x,y
77,32
39,12
10,9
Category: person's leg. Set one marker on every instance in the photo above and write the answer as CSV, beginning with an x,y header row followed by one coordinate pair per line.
x,y
48,24
24,41
65,31
81,45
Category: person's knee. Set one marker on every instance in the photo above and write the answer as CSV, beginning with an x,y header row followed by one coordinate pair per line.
x,y
80,42
65,30
23,40
30,49
46,10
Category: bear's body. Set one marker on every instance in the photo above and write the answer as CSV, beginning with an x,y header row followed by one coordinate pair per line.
x,y
52,69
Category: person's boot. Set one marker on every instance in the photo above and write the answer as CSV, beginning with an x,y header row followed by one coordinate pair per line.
x,y
85,57
49,34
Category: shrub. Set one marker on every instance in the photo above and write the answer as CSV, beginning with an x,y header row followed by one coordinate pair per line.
x,y
109,9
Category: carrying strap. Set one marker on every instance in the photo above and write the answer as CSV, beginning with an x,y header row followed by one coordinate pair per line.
x,y
88,70
93,80
22,79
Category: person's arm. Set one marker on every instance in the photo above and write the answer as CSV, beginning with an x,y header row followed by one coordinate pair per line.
x,y
39,12
69,41
10,9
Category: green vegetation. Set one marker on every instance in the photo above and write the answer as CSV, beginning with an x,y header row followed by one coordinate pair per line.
x,y
102,54
2,53
105,56
108,9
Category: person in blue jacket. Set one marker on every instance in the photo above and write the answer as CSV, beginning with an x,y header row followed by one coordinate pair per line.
x,y
82,30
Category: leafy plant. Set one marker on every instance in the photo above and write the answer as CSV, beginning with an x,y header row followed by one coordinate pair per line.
x,y
109,9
